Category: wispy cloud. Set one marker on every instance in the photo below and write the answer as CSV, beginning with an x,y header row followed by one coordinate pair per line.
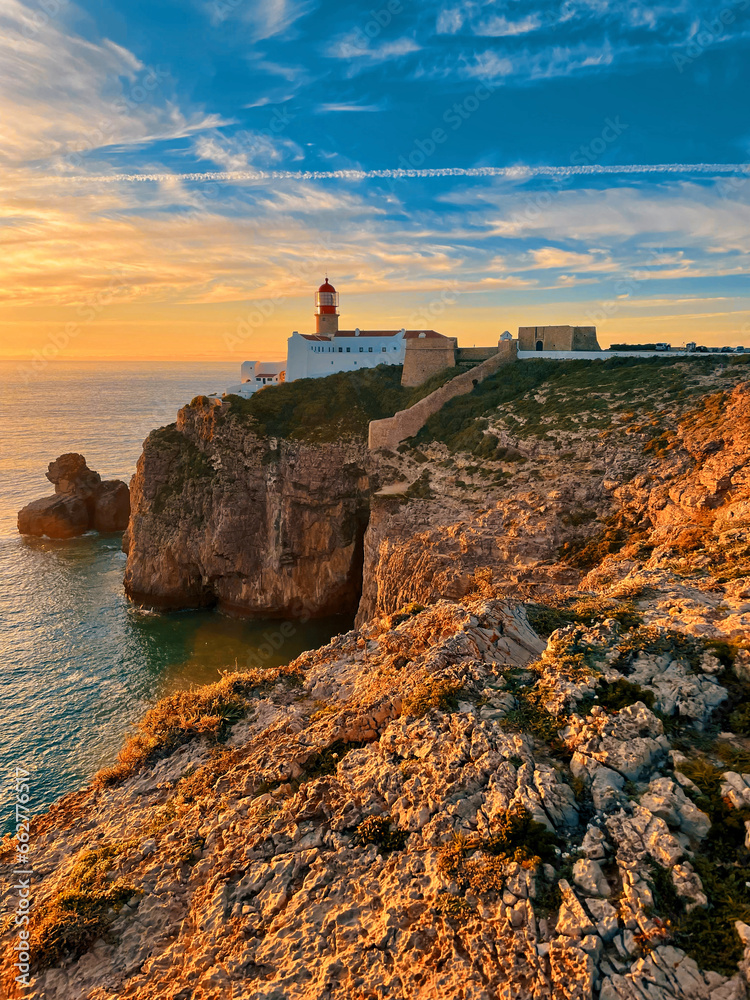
x,y
520,173
64,96
325,109
245,150
266,18
356,46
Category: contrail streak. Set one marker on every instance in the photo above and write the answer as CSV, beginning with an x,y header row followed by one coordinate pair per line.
x,y
510,173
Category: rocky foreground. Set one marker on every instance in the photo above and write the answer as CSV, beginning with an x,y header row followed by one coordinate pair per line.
x,y
439,804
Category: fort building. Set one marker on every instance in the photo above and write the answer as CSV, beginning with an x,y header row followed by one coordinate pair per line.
x,y
557,338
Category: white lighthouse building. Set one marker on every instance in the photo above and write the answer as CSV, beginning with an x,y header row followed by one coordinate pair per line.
x,y
329,350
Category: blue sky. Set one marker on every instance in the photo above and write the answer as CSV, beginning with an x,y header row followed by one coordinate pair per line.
x,y
118,116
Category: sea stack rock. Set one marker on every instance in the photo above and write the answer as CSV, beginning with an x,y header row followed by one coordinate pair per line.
x,y
81,502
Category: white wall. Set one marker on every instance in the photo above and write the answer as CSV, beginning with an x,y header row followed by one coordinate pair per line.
x,y
316,359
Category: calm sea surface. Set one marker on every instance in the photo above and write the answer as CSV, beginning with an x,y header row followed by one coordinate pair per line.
x,y
78,664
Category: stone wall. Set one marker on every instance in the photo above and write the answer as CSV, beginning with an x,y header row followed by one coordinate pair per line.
x,y
391,431
424,358
474,354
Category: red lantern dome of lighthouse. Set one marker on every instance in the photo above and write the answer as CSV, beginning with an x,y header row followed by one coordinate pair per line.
x,y
326,299
326,309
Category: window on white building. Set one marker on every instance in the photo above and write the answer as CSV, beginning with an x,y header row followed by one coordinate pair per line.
x,y
369,349
361,350
348,350
382,349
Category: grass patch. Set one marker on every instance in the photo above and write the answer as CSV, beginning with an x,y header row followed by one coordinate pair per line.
x,y
658,641
379,830
82,910
590,550
709,935
548,397
586,609
432,692
209,711
480,864
530,715
621,694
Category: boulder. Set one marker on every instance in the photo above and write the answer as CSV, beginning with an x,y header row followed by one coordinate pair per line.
x,y
112,506
70,475
81,502
55,516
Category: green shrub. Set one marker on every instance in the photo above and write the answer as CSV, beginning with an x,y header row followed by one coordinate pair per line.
x,y
481,863
658,641
709,935
739,720
432,692
580,609
622,693
81,910
379,830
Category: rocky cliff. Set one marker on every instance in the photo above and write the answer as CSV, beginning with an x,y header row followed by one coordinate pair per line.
x,y
260,506
535,787
224,514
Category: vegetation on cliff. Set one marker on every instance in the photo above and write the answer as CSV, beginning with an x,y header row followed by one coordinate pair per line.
x,y
326,409
549,397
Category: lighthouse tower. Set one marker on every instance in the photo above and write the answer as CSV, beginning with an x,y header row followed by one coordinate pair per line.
x,y
326,309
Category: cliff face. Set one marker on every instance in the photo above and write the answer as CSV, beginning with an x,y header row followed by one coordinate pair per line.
x,y
224,515
544,476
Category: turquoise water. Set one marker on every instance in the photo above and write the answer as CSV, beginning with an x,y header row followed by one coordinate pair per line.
x,y
79,664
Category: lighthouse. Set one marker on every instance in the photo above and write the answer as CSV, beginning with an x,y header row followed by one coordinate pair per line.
x,y
326,309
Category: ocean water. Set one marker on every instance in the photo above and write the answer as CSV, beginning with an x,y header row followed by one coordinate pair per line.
x,y
78,663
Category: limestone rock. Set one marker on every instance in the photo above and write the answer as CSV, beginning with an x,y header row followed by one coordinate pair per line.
x,y
81,502
70,475
56,517
281,521
111,506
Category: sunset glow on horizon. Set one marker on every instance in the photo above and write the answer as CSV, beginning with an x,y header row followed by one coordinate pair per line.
x,y
177,183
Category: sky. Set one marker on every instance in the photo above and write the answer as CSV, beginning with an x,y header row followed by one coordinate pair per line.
x,y
177,178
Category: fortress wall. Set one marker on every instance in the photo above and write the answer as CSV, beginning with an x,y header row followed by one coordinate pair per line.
x,y
424,358
584,338
474,353
391,431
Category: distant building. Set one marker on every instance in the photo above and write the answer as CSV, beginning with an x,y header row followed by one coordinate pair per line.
x,y
257,375
557,338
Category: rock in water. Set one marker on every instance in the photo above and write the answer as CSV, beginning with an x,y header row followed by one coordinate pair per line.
x,y
112,506
56,517
81,502
69,474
